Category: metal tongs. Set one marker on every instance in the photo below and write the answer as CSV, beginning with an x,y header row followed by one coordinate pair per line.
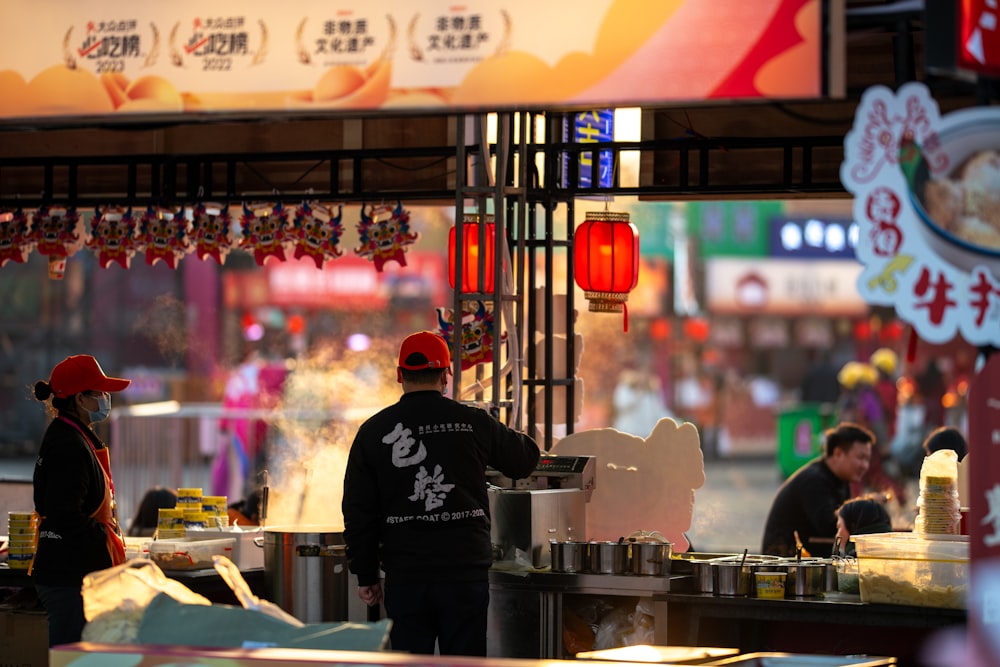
x,y
264,493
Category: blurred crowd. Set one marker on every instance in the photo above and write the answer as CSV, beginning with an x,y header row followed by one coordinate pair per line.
x,y
902,406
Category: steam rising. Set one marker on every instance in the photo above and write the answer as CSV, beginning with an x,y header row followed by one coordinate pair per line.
x,y
327,395
165,323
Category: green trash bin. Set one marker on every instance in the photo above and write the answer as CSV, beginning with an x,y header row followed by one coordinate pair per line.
x,y
800,435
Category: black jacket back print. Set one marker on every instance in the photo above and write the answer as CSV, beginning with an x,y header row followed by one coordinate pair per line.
x,y
415,490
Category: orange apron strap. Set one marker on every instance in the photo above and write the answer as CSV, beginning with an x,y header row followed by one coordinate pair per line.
x,y
106,512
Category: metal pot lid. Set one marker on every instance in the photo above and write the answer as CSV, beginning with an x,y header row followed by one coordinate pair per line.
x,y
304,528
648,536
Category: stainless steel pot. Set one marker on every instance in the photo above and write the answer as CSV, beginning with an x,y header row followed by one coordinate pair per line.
x,y
569,556
806,578
734,577
609,557
651,558
305,572
704,575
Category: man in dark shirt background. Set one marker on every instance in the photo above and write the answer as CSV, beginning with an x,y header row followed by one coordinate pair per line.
x,y
808,500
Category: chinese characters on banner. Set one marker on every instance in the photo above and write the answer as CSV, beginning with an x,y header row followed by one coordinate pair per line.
x,y
927,201
63,58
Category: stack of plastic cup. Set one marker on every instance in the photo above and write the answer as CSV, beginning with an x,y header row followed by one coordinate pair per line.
x,y
216,511
189,499
21,545
169,523
938,506
940,512
194,520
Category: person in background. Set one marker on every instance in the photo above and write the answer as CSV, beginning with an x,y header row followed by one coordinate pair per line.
x,y
638,401
415,503
946,437
147,517
860,404
246,512
74,493
885,362
863,515
807,501
819,384
932,386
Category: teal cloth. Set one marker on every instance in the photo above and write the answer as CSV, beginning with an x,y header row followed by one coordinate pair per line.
x,y
167,621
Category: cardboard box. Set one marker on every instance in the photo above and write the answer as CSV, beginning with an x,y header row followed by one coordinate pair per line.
x,y
24,638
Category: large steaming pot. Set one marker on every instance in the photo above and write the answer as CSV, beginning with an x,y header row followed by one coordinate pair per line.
x,y
305,572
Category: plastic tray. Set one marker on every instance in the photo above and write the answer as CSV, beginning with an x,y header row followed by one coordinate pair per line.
x,y
189,554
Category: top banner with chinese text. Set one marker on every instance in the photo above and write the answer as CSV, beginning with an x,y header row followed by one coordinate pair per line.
x,y
64,59
927,201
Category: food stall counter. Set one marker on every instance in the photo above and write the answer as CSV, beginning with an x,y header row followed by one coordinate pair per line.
x,y
834,623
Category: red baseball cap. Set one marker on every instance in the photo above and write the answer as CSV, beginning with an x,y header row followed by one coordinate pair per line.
x,y
81,372
424,349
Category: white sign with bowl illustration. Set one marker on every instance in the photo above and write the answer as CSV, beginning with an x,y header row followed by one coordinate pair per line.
x,y
927,201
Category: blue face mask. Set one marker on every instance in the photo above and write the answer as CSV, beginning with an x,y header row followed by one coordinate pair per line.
x,y
103,409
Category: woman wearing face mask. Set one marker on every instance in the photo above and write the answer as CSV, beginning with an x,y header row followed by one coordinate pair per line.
x,y
77,523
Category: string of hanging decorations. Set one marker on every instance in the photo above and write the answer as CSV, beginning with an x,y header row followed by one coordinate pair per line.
x,y
207,230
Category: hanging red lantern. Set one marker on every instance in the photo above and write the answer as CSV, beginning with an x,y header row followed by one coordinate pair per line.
x,y
606,259
892,332
697,329
471,252
862,330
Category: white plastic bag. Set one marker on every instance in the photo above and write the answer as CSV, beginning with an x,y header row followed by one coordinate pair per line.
x,y
115,599
234,579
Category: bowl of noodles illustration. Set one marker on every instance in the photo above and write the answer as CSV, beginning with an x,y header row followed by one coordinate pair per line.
x,y
955,190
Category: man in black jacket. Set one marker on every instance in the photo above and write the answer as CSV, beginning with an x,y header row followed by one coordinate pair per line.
x,y
415,503
808,500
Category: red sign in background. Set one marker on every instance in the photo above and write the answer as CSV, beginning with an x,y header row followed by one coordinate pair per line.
x,y
984,510
979,36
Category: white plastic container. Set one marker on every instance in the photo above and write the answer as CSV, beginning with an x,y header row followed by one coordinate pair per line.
x,y
246,554
913,570
188,554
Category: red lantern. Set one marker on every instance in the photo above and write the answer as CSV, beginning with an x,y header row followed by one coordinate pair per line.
x,y
471,252
606,259
862,330
696,329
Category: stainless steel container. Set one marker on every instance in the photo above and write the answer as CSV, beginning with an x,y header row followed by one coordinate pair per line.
x,y
305,572
570,556
527,520
651,558
734,577
609,557
705,575
806,578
